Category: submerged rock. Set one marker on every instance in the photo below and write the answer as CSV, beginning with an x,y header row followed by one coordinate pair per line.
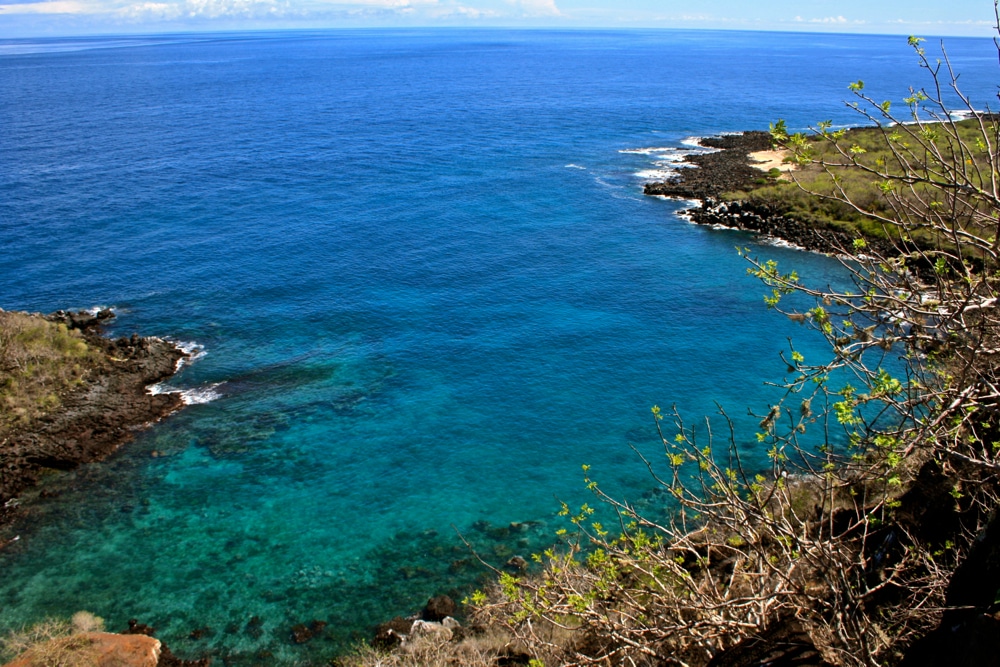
x,y
393,633
302,633
516,563
438,608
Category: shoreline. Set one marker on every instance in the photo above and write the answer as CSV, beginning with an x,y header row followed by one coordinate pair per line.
x,y
735,166
93,419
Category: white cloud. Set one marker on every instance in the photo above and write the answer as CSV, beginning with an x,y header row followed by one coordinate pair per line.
x,y
50,7
536,7
386,4
836,20
540,8
968,22
169,10
201,9
462,12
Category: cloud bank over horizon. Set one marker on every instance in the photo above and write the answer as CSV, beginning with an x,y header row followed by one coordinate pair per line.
x,y
24,18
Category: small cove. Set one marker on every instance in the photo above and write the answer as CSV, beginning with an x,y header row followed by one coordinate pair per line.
x,y
428,288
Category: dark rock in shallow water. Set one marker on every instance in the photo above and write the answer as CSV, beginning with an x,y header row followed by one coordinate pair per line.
x,y
254,627
137,628
302,633
392,634
459,565
438,608
516,563
167,659
82,319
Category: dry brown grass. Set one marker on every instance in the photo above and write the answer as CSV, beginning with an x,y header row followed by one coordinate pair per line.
x,y
55,643
39,362
486,649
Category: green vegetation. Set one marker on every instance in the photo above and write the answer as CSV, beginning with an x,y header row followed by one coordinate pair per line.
x,y
39,362
842,176
877,488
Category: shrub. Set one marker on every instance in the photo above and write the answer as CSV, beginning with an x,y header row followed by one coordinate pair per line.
x,y
53,643
39,361
837,533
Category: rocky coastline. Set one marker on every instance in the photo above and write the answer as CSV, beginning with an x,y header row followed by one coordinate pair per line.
x,y
769,221
726,169
730,169
97,415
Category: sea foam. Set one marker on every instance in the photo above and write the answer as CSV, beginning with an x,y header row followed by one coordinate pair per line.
x,y
194,352
668,160
193,396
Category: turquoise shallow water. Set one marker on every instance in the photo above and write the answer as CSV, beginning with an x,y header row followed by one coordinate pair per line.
x,y
427,286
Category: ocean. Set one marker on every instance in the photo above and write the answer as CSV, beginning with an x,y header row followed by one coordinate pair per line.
x,y
422,286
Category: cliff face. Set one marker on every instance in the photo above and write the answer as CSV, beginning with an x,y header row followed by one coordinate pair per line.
x,y
70,396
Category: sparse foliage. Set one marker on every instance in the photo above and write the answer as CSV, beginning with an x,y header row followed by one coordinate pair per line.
x,y
837,532
39,360
55,643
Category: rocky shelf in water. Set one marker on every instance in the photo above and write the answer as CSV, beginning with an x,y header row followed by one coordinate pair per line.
x,y
97,415
726,169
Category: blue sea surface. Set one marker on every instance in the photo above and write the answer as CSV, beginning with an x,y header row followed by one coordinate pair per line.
x,y
426,288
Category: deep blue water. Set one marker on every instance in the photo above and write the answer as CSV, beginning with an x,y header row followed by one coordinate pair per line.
x,y
427,285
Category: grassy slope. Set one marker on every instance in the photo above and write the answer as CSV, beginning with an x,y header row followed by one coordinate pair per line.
x,y
872,148
40,361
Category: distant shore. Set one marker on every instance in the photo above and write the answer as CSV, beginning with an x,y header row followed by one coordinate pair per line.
x,y
736,167
87,417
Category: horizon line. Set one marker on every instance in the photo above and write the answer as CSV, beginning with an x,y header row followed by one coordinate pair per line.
x,y
194,31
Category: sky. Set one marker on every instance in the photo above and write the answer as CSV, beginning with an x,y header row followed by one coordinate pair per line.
x,y
30,18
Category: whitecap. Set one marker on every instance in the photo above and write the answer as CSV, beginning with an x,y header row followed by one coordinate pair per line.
x,y
655,174
192,396
695,142
194,351
662,171
201,395
653,150
963,114
781,243
667,160
159,388
575,166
